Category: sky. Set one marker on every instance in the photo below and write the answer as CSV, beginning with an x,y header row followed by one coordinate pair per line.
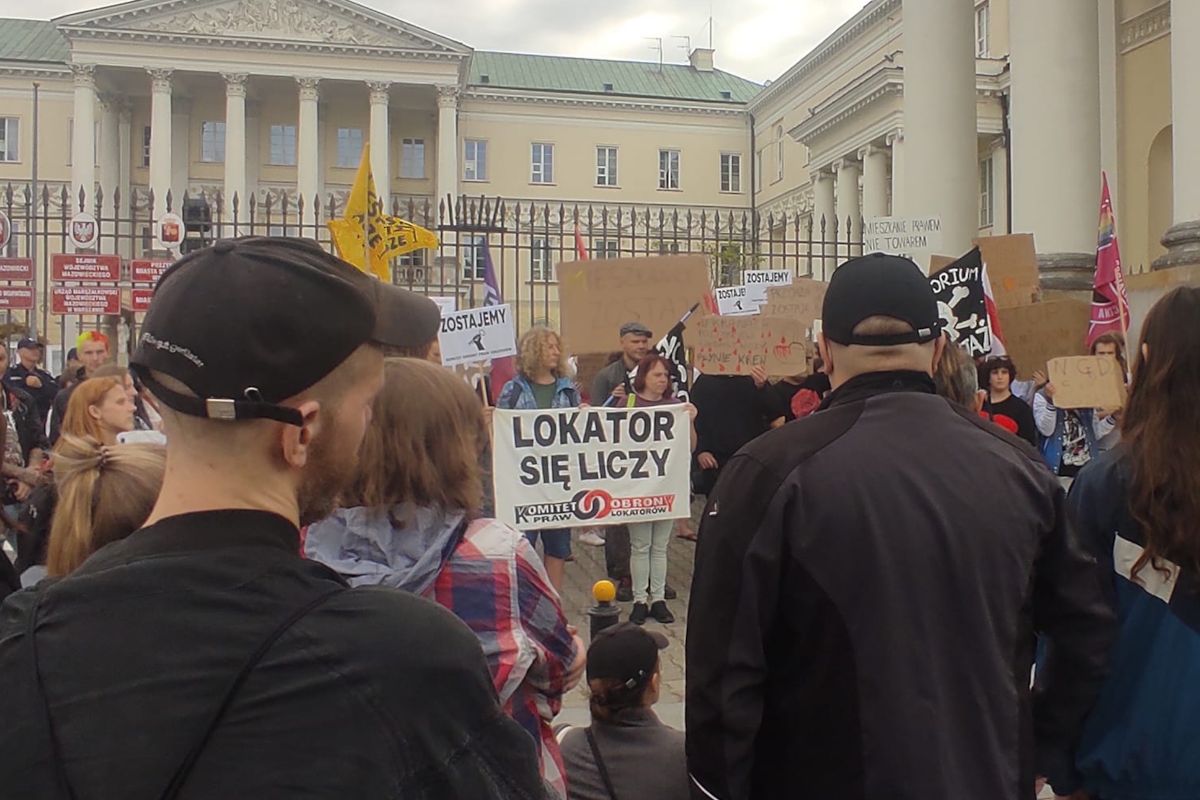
x,y
757,39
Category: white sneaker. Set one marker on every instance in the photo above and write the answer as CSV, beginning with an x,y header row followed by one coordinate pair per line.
x,y
592,538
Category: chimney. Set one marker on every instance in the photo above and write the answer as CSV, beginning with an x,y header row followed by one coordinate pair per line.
x,y
702,59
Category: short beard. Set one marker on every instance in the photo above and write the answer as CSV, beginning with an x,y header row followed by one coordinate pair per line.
x,y
329,472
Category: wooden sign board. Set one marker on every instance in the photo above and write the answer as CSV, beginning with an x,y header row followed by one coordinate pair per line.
x,y
938,263
801,301
1034,334
736,345
597,297
586,367
1087,382
1012,268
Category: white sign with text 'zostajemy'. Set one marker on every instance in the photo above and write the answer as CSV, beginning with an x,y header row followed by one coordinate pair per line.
x,y
477,335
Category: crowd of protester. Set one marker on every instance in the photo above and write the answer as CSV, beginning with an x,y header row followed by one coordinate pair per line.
x,y
315,487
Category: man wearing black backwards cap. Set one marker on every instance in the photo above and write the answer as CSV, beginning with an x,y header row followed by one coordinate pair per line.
x,y
865,615
202,656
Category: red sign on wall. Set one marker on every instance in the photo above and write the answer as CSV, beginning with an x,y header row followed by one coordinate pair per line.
x,y
148,270
141,299
85,267
86,300
16,269
16,298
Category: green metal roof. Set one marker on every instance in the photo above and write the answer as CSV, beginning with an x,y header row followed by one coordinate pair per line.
x,y
589,76
32,40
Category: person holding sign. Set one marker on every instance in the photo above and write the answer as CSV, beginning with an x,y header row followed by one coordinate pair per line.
x,y
1072,435
1112,344
648,540
542,382
1138,510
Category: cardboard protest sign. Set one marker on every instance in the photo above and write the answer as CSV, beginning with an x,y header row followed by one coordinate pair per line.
x,y
1087,382
560,468
757,281
938,263
1034,334
736,345
801,301
962,305
1012,268
734,301
597,297
917,238
477,335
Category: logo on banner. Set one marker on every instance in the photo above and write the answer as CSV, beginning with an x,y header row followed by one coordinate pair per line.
x,y
170,231
596,504
5,230
83,230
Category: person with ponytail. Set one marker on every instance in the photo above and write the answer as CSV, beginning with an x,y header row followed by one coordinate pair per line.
x,y
105,492
1138,509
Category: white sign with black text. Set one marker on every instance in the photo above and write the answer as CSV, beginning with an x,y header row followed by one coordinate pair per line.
x,y
758,280
734,301
477,335
917,238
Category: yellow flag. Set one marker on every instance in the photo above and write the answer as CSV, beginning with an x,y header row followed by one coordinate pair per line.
x,y
365,229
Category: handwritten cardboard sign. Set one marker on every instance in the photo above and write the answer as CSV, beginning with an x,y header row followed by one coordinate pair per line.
x,y
597,297
1012,268
1034,334
736,345
801,301
1087,382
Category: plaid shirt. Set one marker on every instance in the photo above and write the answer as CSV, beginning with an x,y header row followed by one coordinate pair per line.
x,y
495,583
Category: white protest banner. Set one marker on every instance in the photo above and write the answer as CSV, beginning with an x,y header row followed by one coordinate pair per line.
x,y
477,335
559,468
734,301
757,281
918,238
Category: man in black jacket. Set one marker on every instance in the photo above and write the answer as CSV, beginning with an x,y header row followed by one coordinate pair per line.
x,y
27,375
203,656
870,580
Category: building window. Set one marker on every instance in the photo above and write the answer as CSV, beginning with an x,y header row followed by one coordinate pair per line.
x,y
10,139
349,147
778,152
731,172
212,142
412,158
606,166
146,146
987,194
474,260
606,248
982,15
542,160
475,160
668,169
283,145
539,260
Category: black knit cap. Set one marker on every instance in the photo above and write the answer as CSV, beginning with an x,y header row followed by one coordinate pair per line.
x,y
250,322
625,652
879,285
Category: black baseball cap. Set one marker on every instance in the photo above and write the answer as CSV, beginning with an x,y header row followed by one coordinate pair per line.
x,y
29,344
250,322
879,285
402,318
625,652
635,328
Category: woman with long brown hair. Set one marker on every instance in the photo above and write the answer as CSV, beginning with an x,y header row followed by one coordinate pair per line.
x,y
1138,509
99,408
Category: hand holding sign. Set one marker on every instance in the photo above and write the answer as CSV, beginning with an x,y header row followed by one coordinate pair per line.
x,y
1086,382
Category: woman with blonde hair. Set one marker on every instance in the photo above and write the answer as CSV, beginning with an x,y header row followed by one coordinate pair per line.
x,y
105,493
412,522
543,381
99,408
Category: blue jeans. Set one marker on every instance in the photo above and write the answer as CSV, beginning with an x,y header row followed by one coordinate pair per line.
x,y
556,542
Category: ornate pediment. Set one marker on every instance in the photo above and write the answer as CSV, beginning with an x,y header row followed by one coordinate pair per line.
x,y
289,22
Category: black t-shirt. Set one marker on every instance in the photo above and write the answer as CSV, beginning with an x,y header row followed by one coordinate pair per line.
x,y
1017,411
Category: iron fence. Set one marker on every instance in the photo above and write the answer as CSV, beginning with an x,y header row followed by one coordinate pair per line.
x,y
524,239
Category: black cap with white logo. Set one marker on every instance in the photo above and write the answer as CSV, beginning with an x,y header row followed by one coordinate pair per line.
x,y
879,285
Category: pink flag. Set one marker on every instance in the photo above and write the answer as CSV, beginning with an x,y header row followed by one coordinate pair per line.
x,y
1110,303
993,315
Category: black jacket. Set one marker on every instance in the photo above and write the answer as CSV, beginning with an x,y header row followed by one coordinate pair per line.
x,y
373,693
28,421
867,588
44,396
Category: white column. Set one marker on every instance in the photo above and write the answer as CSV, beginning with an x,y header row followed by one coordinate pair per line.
x,y
1183,238
447,157
874,181
308,149
124,175
253,149
110,148
895,143
83,137
181,149
380,142
1056,134
1000,186
849,211
824,216
160,137
1109,55
235,146
942,174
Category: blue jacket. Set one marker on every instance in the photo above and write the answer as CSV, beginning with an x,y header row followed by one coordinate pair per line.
x,y
1142,740
1052,445
518,394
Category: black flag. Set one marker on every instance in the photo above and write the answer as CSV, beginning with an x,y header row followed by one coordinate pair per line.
x,y
963,304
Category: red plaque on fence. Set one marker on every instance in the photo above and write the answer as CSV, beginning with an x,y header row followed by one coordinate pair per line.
x,y
148,270
85,267
141,299
16,269
16,298
86,300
